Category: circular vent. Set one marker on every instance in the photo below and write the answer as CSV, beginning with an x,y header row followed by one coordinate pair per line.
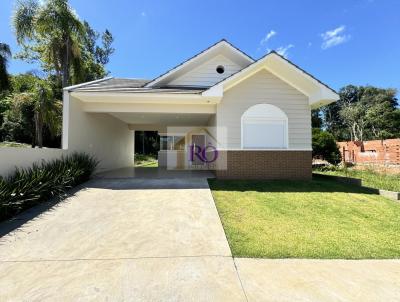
x,y
220,69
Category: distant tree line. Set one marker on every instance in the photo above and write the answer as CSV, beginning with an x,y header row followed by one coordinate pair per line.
x,y
361,113
67,49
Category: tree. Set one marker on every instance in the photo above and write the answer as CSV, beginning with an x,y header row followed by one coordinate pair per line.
x,y
47,112
324,145
363,112
31,111
51,33
91,65
5,54
353,116
332,120
316,120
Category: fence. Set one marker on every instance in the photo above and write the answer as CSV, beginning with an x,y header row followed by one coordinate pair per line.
x,y
10,157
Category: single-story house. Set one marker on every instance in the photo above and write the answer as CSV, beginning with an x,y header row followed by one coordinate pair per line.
x,y
251,117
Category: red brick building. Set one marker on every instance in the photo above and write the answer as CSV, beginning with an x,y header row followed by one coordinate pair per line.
x,y
384,152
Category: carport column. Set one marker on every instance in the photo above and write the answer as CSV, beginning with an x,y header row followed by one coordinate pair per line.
x,y
65,120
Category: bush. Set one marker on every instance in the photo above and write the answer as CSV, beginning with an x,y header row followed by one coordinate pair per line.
x,y
324,145
28,187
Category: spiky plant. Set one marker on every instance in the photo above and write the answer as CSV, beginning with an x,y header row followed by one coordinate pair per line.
x,y
31,186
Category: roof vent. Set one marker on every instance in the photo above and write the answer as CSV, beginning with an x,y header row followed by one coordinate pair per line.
x,y
220,69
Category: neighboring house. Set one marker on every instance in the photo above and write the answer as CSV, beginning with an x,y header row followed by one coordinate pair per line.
x,y
380,152
256,112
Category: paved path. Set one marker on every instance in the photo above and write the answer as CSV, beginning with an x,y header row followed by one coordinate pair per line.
x,y
162,240
123,240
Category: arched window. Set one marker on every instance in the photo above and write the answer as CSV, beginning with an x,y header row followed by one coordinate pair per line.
x,y
264,126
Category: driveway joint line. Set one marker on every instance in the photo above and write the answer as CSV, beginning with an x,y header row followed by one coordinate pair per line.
x,y
240,280
112,259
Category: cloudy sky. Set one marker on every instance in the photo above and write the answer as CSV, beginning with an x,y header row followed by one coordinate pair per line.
x,y
339,42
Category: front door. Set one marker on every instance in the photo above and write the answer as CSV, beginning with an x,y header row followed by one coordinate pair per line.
x,y
198,142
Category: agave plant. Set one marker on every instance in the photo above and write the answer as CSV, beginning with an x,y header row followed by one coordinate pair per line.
x,y
30,186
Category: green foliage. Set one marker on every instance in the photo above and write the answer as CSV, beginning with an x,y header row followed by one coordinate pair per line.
x,y
324,145
5,54
91,64
18,124
370,177
51,33
363,113
30,111
28,187
148,161
316,119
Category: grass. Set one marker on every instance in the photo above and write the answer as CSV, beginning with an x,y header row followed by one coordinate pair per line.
x,y
148,161
14,144
298,219
370,178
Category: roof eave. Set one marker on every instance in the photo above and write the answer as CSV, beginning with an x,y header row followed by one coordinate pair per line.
x,y
73,87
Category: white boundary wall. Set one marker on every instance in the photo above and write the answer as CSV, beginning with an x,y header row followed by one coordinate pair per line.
x,y
10,157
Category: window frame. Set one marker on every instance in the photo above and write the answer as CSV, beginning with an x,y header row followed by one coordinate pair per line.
x,y
172,142
282,118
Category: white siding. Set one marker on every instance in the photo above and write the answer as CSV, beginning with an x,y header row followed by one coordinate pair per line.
x,y
265,88
206,75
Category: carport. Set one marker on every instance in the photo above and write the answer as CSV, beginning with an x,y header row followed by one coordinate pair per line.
x,y
100,117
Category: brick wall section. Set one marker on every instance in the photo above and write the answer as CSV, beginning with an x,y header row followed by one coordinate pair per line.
x,y
247,164
383,152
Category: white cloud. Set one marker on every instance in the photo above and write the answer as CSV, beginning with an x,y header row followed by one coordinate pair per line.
x,y
334,37
284,50
268,36
143,14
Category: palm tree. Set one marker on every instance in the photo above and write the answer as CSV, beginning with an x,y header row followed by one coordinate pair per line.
x,y
52,31
5,54
46,112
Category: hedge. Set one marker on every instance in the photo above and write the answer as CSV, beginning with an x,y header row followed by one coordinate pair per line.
x,y
28,187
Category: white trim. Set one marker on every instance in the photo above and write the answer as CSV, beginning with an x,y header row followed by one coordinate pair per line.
x,y
321,93
283,118
195,58
86,83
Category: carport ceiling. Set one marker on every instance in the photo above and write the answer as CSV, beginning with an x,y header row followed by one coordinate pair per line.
x,y
164,119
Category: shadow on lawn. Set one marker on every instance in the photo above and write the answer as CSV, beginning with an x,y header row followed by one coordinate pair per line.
x,y
317,184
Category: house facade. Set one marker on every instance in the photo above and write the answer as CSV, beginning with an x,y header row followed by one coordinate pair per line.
x,y
220,110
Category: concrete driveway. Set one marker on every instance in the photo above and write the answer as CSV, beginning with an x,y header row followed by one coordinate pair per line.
x,y
162,240
123,240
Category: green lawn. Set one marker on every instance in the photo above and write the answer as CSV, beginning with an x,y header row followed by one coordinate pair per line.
x,y
300,219
14,144
369,178
145,161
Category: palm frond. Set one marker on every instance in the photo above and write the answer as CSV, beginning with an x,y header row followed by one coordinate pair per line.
x,y
23,19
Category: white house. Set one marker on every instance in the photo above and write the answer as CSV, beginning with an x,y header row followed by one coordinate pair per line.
x,y
257,112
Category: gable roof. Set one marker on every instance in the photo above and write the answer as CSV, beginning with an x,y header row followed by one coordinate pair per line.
x,y
286,71
318,92
184,64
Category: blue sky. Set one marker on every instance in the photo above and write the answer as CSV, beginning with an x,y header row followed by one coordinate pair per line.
x,y
339,42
